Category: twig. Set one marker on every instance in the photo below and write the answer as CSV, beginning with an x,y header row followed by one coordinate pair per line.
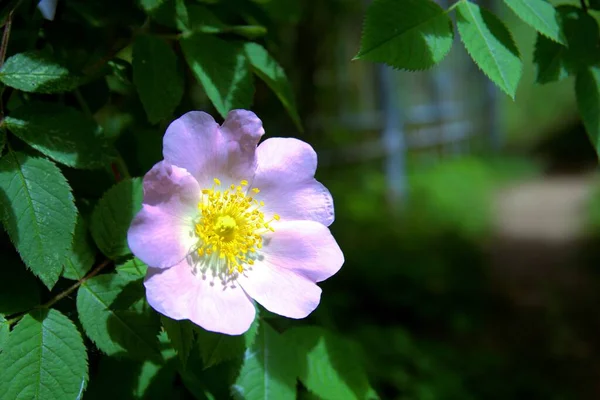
x,y
583,5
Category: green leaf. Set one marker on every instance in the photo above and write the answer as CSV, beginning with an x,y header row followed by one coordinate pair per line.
x,y
548,57
134,267
271,72
269,370
19,289
490,45
222,69
44,359
115,316
329,365
201,19
181,335
157,77
4,332
37,72
2,139
587,90
62,133
112,216
216,348
412,34
540,15
594,4
39,213
171,13
81,256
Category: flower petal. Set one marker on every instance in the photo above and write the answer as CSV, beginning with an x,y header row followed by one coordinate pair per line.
x,y
295,256
161,234
197,143
285,177
178,294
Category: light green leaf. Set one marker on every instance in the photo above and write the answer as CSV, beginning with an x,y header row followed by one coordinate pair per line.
x,y
115,316
587,90
112,216
216,348
157,77
271,72
81,257
4,332
540,15
548,57
62,133
490,45
37,72
269,370
181,336
222,69
39,213
134,267
411,34
44,359
329,365
21,297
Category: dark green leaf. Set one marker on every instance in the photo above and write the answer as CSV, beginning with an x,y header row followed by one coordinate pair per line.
x,y
2,139
412,34
181,336
157,77
115,316
222,68
82,254
548,57
4,332
62,133
44,359
594,4
490,45
112,216
171,13
587,90
269,370
540,15
216,347
37,72
39,214
330,366
271,72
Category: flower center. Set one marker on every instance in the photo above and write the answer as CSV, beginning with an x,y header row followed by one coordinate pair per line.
x,y
230,229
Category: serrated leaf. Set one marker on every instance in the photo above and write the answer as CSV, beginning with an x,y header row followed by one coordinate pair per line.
x,y
112,216
81,256
157,77
222,69
329,365
37,72
540,15
4,332
216,348
269,370
44,359
181,336
490,45
115,316
548,57
274,76
587,91
62,133
134,267
412,34
19,289
39,213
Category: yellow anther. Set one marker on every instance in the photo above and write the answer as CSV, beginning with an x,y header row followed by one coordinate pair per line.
x,y
217,182
276,217
256,190
244,182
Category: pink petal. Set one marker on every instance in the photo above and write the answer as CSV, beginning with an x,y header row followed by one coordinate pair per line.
x,y
179,294
161,234
285,177
295,256
197,143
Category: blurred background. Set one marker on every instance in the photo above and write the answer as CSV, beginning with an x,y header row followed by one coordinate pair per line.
x,y
469,222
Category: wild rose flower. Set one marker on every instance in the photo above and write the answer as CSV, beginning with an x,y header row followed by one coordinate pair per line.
x,y
224,222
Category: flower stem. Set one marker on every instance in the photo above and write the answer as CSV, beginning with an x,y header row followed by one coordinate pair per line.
x,y
65,292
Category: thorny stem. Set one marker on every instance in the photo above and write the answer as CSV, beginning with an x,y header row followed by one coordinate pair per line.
x,y
66,292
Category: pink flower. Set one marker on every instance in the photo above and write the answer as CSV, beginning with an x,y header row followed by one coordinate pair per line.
x,y
225,222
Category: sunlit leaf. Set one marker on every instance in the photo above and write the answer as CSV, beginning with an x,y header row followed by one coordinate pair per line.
x,y
540,15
